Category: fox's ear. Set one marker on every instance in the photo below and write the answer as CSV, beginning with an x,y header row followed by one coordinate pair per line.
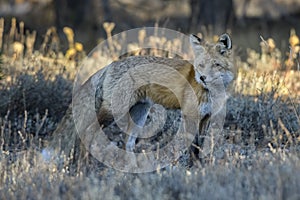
x,y
194,39
196,43
226,41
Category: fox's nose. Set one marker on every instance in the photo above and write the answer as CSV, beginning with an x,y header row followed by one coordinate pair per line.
x,y
202,78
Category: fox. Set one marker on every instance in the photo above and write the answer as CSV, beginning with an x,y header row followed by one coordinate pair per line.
x,y
212,62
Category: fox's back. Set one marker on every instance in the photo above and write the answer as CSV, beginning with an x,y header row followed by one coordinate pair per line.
x,y
170,77
118,68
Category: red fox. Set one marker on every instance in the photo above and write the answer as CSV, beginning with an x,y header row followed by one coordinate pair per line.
x,y
212,62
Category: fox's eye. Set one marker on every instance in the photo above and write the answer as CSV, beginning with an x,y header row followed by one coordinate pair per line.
x,y
218,65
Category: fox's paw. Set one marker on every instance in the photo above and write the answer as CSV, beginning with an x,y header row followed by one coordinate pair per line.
x,y
130,144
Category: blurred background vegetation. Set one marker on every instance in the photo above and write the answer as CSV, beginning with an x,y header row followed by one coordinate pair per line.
x,y
246,20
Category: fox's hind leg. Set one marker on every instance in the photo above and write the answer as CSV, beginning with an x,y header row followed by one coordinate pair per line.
x,y
138,114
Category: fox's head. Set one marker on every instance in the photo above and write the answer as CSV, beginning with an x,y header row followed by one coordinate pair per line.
x,y
212,62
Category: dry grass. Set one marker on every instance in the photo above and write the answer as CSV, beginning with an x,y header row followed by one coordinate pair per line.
x,y
260,158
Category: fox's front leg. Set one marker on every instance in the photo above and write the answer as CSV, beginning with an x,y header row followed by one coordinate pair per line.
x,y
196,110
205,109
